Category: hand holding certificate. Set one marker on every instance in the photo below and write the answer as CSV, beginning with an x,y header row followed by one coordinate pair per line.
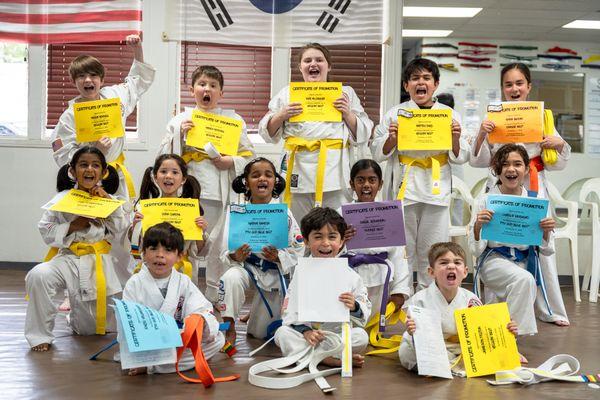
x,y
424,129
181,213
82,203
516,122
516,219
317,101
223,132
97,119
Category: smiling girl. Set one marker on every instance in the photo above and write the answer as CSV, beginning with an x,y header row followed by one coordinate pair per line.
x,y
309,142
503,266
78,242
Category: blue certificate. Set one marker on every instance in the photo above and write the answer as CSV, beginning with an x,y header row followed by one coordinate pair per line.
x,y
145,328
258,225
516,219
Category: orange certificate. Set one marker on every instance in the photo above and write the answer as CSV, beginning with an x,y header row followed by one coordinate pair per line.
x,y
516,122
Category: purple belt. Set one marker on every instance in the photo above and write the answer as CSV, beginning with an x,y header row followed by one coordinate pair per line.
x,y
356,259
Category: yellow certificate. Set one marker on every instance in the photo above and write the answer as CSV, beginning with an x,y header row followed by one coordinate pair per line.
x,y
181,213
487,345
317,101
424,129
97,119
223,132
517,122
82,203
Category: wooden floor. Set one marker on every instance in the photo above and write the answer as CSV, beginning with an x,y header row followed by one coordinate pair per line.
x,y
66,373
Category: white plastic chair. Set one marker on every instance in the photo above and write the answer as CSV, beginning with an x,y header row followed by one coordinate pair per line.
x,y
589,224
566,229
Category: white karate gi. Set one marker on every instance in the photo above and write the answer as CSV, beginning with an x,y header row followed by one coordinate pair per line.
x,y
337,170
136,83
67,271
235,281
290,341
426,216
432,299
182,299
508,280
548,262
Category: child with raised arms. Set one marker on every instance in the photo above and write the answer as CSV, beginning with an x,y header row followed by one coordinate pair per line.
x,y
159,286
77,241
411,175
509,271
266,270
169,178
448,269
323,230
381,265
551,154
312,144
87,74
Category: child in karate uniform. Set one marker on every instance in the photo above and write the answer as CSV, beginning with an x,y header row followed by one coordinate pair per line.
x,y
444,296
409,175
266,270
503,267
158,285
323,230
74,268
307,142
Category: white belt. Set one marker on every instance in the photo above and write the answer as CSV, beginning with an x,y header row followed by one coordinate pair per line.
x,y
561,367
308,357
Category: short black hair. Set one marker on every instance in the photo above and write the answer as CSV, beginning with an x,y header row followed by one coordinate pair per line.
x,y
318,217
418,65
163,234
446,99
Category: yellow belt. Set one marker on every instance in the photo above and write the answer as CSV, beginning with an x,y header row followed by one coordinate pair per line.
x,y
201,156
98,248
385,345
294,144
119,164
433,162
184,266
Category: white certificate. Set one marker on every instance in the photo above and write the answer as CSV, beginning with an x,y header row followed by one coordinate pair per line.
x,y
432,357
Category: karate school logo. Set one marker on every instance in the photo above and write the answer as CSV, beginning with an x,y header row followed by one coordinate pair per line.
x,y
328,19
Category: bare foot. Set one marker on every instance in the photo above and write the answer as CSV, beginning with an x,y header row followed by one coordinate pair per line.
x,y
245,318
41,347
358,361
137,371
65,305
522,359
561,322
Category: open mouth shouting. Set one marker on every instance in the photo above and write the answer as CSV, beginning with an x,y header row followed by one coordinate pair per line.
x,y
206,99
262,187
451,277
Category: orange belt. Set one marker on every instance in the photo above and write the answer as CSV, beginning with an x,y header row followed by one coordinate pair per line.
x,y
535,165
192,339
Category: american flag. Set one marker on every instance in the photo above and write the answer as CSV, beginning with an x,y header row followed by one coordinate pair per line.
x,y
64,21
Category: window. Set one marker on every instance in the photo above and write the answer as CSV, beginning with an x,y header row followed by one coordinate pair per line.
x,y
13,81
246,72
358,66
116,58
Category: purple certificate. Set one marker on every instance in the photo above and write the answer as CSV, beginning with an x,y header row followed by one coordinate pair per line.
x,y
378,224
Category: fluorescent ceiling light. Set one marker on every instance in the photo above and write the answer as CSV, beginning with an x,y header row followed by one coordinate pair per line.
x,y
583,24
424,33
440,12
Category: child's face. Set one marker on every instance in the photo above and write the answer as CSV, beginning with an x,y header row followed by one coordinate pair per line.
x,y
207,92
261,181
160,260
421,86
515,86
169,178
513,171
314,66
448,271
325,242
88,171
366,184
88,85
